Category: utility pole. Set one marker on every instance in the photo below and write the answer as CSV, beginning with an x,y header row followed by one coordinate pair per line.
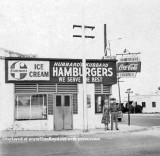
x,y
105,40
85,109
119,92
128,92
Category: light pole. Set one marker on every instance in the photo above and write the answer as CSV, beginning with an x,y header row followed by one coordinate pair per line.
x,y
128,92
83,36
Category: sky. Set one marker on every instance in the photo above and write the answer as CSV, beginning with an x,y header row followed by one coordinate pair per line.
x,y
45,28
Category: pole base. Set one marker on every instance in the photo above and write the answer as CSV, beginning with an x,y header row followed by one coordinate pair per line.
x,y
85,130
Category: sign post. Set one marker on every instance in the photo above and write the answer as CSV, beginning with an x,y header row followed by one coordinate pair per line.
x,y
128,92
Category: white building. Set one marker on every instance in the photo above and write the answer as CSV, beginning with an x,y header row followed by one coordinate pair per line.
x,y
6,90
47,94
150,103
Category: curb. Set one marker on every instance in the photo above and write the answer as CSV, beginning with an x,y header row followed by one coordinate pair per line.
x,y
79,134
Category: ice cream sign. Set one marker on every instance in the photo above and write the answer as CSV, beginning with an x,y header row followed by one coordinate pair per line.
x,y
21,70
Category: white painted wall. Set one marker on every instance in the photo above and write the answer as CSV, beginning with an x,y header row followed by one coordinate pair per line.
x,y
148,99
6,100
94,120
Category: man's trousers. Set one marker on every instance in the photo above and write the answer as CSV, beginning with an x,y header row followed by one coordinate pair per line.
x,y
114,116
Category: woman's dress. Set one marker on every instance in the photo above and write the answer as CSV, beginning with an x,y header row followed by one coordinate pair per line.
x,y
106,116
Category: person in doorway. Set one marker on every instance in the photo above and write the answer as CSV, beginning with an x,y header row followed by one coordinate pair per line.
x,y
114,115
106,114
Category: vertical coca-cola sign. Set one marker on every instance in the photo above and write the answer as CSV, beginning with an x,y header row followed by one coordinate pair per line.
x,y
128,66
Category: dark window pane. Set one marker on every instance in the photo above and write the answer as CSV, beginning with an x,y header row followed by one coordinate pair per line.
x,y
75,104
143,104
153,104
67,101
58,100
99,102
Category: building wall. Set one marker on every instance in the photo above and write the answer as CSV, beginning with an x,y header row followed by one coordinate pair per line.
x,y
148,99
6,100
8,120
94,120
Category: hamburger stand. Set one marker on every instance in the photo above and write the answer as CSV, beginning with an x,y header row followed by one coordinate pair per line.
x,y
47,94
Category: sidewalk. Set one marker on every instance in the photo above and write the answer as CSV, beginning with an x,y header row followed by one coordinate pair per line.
x,y
123,128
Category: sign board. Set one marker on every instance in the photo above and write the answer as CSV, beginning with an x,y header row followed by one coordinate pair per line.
x,y
60,71
130,59
71,72
128,66
126,74
21,70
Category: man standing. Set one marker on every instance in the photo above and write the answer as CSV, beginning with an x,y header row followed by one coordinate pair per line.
x,y
114,115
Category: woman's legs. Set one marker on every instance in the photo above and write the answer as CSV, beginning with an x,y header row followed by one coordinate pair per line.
x,y
106,127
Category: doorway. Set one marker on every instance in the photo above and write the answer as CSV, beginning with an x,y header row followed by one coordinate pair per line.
x,y
63,116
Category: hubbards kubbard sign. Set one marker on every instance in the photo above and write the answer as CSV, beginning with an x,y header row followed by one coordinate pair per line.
x,y
60,71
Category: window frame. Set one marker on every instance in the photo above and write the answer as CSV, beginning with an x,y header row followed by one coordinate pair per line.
x,y
102,99
144,104
30,114
154,104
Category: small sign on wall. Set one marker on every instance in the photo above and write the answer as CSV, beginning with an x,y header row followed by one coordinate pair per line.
x,y
88,101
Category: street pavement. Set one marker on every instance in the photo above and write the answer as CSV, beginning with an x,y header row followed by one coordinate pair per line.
x,y
139,143
145,120
133,140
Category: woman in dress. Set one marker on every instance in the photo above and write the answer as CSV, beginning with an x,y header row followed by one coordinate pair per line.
x,y
106,115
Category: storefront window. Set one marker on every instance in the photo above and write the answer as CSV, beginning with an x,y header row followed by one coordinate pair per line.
x,y
99,101
31,107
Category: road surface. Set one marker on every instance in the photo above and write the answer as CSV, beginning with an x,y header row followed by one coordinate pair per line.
x,y
145,120
142,143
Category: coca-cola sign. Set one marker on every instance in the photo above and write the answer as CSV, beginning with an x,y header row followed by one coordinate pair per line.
x,y
128,66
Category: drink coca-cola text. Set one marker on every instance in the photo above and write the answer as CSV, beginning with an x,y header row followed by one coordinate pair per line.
x,y
131,67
